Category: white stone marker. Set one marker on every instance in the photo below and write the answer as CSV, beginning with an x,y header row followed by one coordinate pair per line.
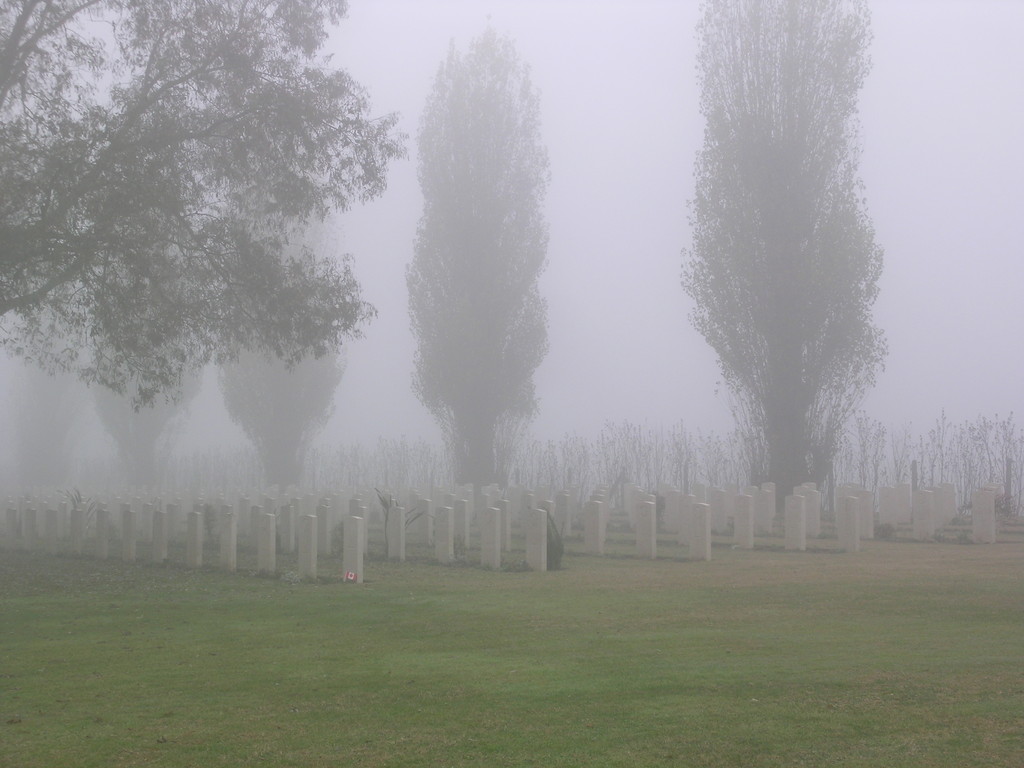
x,y
536,523
903,505
719,502
646,516
563,514
924,515
505,507
396,533
490,538
11,532
888,509
743,533
352,556
945,504
593,527
266,540
766,509
77,525
460,521
812,508
983,516
194,540
228,539
102,532
686,503
796,528
307,547
848,523
51,525
127,533
867,512
444,535
699,538
286,515
324,526
158,551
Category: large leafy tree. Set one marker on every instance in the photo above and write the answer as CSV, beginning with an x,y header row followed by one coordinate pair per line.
x,y
474,304
139,141
784,266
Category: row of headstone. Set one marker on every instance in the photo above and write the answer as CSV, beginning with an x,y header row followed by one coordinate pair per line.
x,y
276,523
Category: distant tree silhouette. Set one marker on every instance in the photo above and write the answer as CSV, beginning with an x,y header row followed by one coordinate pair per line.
x,y
476,311
784,266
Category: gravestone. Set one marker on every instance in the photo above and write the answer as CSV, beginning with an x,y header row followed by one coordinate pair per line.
x,y
286,515
396,534
537,539
127,533
51,527
848,523
102,532
444,535
490,538
686,503
324,527
158,549
594,527
796,528
194,540
646,517
352,555
563,513
866,499
743,527
766,511
699,538
812,508
505,507
307,547
228,539
924,515
983,516
266,540
77,525
460,521
888,507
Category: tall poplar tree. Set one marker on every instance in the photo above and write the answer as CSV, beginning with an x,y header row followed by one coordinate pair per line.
x,y
784,266
476,312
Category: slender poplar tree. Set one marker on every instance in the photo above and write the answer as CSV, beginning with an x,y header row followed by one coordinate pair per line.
x,y
475,308
784,266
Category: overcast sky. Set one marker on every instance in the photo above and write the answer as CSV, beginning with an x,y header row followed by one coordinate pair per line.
x,y
942,121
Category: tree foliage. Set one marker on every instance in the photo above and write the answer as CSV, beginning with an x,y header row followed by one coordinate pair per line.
x,y
474,304
784,266
139,141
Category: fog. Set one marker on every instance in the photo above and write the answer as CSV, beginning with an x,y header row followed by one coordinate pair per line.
x,y
942,114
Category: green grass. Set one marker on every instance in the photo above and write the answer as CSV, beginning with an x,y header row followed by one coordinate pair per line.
x,y
902,655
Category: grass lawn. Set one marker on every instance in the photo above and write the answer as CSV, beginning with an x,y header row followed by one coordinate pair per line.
x,y
902,655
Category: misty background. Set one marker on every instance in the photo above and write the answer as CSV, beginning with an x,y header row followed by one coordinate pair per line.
x,y
941,114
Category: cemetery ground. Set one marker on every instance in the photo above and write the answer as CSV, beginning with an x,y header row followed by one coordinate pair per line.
x,y
904,654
